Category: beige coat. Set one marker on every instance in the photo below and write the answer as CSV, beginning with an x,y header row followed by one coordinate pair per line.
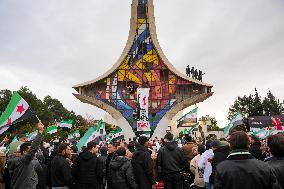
x,y
198,180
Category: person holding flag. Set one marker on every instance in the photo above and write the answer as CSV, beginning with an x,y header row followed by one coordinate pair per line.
x,y
23,169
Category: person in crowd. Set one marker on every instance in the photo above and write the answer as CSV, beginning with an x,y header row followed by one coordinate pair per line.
x,y
128,153
61,177
87,170
142,164
242,170
43,175
102,158
14,145
171,161
204,163
111,155
2,166
187,148
121,172
24,169
198,176
276,147
221,153
255,148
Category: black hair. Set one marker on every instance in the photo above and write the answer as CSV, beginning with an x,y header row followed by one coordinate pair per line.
x,y
239,140
120,151
276,145
188,138
61,147
169,136
201,148
208,144
24,147
103,151
142,140
91,145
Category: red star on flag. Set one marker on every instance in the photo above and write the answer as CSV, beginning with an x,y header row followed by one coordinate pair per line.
x,y
20,109
277,123
9,122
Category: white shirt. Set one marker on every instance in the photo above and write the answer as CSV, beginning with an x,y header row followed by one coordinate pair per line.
x,y
204,165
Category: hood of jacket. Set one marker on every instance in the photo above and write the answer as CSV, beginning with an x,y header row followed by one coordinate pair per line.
x,y
87,155
118,162
223,149
171,145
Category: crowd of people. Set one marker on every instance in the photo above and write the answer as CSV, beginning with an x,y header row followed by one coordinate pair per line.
x,y
240,162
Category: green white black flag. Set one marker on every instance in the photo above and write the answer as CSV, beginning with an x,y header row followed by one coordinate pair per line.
x,y
17,110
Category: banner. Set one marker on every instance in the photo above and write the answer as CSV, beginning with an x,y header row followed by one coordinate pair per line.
x,y
189,119
260,122
143,109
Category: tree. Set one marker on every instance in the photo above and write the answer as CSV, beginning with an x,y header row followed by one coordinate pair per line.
x,y
47,111
253,105
213,126
272,105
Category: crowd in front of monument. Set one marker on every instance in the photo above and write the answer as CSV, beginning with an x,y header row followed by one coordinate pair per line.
x,y
241,161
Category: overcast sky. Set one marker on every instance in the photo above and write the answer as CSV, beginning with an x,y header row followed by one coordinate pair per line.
x,y
52,45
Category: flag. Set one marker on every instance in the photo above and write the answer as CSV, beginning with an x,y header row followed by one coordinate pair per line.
x,y
190,131
115,135
237,120
185,131
89,136
51,129
65,124
263,133
190,118
32,135
17,110
75,134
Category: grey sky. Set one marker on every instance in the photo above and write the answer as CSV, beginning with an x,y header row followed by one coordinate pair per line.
x,y
51,45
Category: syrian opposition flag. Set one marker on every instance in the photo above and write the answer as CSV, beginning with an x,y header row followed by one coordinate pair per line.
x,y
65,124
75,134
237,120
115,135
17,110
263,133
51,129
32,135
89,136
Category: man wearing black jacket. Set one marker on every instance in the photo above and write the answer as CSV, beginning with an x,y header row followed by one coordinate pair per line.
x,y
24,169
242,170
61,168
171,161
142,165
111,156
221,152
88,169
276,147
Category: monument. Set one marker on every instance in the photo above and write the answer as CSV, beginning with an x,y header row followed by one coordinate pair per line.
x,y
143,91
